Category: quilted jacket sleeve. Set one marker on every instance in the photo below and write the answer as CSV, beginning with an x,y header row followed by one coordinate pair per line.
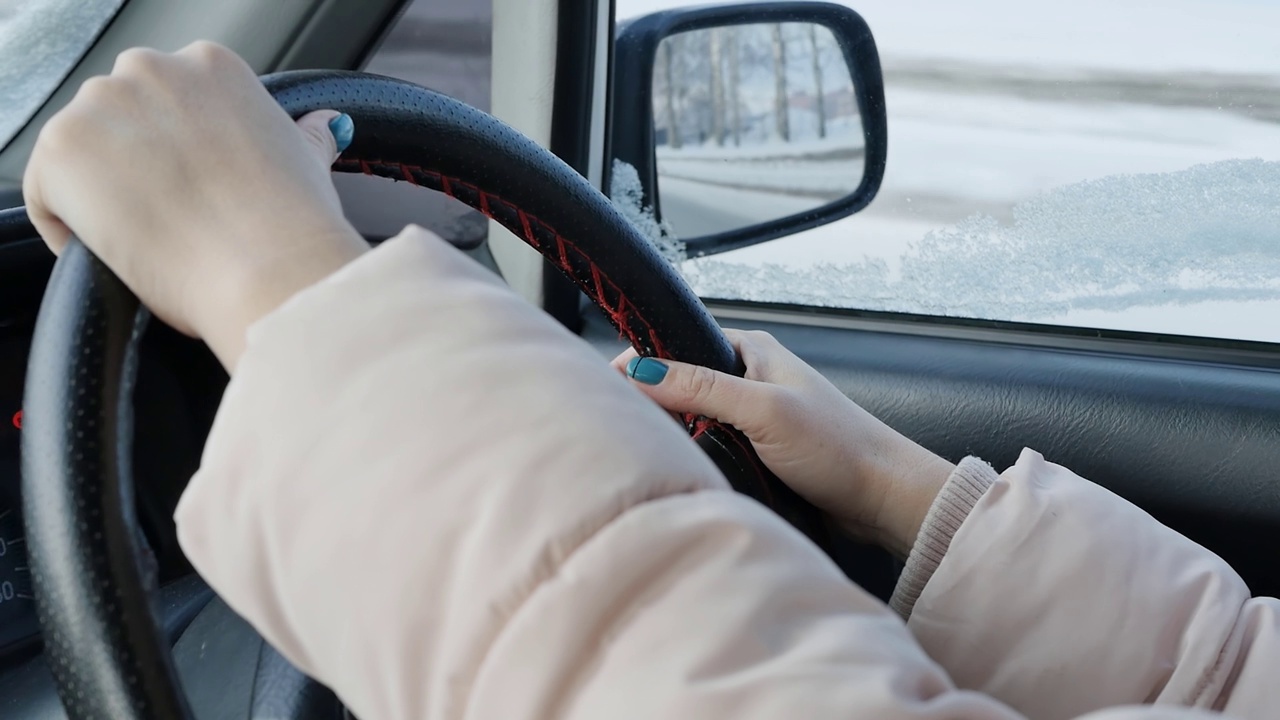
x,y
1056,596
439,502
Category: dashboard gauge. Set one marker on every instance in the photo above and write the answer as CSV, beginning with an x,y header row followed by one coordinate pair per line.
x,y
18,622
17,603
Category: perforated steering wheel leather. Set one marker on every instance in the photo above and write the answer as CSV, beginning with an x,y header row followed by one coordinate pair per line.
x,y
90,566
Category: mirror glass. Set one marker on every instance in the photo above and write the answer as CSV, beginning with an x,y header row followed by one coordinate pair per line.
x,y
753,123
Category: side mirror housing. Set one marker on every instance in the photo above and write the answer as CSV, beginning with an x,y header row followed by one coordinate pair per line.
x,y
748,122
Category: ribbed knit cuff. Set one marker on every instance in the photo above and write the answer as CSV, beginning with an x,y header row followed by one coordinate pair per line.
x,y
955,501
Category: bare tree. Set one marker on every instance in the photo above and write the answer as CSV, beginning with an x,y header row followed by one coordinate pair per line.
x,y
782,122
717,88
735,88
820,99
673,120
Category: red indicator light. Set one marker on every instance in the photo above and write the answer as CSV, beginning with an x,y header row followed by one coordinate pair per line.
x,y
17,419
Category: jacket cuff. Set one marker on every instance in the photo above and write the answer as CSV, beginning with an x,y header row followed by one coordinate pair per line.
x,y
955,500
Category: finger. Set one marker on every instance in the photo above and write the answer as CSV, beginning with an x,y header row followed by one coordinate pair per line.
x,y
52,230
50,227
328,133
684,388
620,363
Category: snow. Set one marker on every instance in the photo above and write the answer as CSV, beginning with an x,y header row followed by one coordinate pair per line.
x,y
993,148
627,194
1230,36
1088,251
822,168
1000,111
846,142
826,179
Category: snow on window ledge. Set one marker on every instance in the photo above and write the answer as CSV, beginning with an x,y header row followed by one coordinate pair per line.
x,y
627,194
1208,234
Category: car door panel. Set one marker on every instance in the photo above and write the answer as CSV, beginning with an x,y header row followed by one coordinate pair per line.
x,y
1193,442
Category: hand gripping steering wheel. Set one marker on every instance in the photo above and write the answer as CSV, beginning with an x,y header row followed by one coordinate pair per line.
x,y
93,585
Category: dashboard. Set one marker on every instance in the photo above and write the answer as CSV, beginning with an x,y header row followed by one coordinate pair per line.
x,y
18,625
179,387
178,390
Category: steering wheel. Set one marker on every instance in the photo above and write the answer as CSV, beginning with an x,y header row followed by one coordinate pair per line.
x,y
93,580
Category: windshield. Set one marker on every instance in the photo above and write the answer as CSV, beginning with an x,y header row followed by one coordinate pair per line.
x,y
40,42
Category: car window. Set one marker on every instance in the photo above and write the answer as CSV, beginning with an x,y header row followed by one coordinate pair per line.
x,y
445,47
40,42
1102,163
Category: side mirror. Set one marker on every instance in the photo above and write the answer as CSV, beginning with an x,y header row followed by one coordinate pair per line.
x,y
748,122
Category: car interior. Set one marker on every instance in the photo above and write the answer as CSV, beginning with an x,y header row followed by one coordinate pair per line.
x,y
1184,426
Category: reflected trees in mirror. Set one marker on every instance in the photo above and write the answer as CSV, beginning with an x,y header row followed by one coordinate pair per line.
x,y
753,123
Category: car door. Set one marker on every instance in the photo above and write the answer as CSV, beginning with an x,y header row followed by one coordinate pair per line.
x,y
1074,251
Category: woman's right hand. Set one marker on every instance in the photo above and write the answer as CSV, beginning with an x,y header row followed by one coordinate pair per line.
x,y
191,183
875,482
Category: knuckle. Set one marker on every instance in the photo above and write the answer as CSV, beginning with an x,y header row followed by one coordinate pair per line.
x,y
74,121
95,89
138,61
56,136
320,136
758,367
757,355
701,383
53,135
209,53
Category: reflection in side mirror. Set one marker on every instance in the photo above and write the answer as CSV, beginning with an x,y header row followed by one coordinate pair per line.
x,y
747,122
753,123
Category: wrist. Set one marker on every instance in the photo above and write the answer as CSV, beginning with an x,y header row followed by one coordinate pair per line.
x,y
253,288
909,480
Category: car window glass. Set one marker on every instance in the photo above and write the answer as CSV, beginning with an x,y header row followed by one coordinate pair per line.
x,y
1102,163
445,47
40,42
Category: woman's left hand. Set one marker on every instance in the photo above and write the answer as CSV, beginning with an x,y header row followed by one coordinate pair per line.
x,y
187,179
874,481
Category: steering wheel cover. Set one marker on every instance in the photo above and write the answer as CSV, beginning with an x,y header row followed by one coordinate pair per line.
x,y
404,132
93,591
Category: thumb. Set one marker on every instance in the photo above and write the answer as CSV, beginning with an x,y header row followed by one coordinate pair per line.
x,y
684,388
328,133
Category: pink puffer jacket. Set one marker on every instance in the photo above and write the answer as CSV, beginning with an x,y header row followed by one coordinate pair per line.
x,y
437,501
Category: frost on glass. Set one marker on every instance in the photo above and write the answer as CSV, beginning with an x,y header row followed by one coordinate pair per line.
x,y
1206,234
627,195
40,41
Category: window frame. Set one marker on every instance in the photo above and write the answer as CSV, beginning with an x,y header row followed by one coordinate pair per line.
x,y
581,117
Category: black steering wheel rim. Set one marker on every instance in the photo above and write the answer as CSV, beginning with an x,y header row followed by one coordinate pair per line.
x,y
93,582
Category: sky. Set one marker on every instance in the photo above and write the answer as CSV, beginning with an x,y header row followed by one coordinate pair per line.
x,y
1232,36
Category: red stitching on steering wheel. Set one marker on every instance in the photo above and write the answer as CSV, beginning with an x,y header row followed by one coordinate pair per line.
x,y
600,281
524,227
700,426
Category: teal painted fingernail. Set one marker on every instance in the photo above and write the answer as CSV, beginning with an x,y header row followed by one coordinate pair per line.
x,y
647,370
343,129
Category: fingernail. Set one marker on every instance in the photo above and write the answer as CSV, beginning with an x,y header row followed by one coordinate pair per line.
x,y
343,129
647,370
